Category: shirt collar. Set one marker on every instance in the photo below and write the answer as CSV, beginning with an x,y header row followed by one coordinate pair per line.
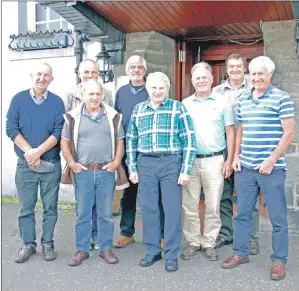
x,y
267,92
227,84
195,99
136,89
97,117
32,94
148,104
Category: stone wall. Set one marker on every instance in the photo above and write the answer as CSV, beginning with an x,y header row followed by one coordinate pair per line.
x,y
280,46
156,49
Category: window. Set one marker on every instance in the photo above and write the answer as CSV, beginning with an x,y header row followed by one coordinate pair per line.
x,y
48,19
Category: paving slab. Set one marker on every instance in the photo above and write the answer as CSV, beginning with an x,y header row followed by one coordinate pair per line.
x,y
95,275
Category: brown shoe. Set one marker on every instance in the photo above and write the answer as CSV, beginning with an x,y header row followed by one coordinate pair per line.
x,y
78,258
109,257
162,243
233,262
278,271
123,241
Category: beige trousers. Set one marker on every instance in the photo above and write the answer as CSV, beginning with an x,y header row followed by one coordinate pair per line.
x,y
207,174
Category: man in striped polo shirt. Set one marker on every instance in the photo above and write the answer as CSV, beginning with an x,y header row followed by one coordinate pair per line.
x,y
266,116
160,151
232,89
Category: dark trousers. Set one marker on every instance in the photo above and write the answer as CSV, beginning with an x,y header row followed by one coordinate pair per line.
x,y
272,186
163,173
128,209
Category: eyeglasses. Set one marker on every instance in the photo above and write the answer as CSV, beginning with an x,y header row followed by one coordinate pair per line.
x,y
132,68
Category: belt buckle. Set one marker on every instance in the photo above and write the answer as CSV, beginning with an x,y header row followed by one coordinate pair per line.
x,y
93,166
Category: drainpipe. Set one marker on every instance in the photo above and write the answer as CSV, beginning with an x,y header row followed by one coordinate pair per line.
x,y
79,50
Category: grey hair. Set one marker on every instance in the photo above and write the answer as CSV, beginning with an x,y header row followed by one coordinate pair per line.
x,y
135,58
89,82
157,75
202,65
262,61
82,64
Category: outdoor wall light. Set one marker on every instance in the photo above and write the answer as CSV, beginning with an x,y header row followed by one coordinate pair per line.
x,y
105,68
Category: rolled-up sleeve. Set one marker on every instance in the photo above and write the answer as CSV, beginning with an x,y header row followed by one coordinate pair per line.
x,y
228,114
59,121
12,120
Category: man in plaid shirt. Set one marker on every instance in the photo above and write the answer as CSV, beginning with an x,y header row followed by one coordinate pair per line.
x,y
161,148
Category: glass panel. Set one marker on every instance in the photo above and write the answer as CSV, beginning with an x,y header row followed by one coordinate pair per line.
x,y
54,25
53,15
101,64
41,27
64,25
41,13
223,77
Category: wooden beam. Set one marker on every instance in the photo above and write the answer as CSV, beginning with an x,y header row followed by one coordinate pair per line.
x,y
251,37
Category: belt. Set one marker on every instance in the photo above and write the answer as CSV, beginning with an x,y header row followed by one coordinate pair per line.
x,y
160,155
209,155
96,166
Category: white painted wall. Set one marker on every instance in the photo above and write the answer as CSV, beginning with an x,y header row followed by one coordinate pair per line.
x,y
16,77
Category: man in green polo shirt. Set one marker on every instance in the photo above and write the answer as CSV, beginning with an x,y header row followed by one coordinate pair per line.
x,y
213,122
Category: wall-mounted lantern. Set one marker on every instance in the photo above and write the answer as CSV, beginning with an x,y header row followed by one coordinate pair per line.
x,y
105,68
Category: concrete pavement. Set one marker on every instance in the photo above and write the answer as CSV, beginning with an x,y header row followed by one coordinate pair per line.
x,y
95,275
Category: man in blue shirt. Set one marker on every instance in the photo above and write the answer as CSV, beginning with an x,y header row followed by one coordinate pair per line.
x,y
266,129
127,97
34,124
232,89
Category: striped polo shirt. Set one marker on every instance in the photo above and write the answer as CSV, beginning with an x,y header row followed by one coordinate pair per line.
x,y
262,128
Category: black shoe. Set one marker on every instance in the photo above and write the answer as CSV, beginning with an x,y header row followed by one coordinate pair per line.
x,y
220,242
49,252
149,260
25,253
211,254
254,247
171,265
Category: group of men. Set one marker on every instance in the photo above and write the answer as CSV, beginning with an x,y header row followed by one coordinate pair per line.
x,y
167,151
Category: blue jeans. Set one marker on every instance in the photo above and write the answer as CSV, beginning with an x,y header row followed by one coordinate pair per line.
x,y
272,186
27,183
94,186
163,172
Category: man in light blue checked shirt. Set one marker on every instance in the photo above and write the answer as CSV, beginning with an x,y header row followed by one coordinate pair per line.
x,y
266,116
161,148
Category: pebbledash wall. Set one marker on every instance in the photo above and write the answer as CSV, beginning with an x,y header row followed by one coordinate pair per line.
x,y
280,46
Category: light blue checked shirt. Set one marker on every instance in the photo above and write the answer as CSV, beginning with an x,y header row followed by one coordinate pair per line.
x,y
166,129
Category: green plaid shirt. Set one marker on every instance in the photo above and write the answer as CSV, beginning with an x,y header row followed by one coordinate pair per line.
x,y
166,129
